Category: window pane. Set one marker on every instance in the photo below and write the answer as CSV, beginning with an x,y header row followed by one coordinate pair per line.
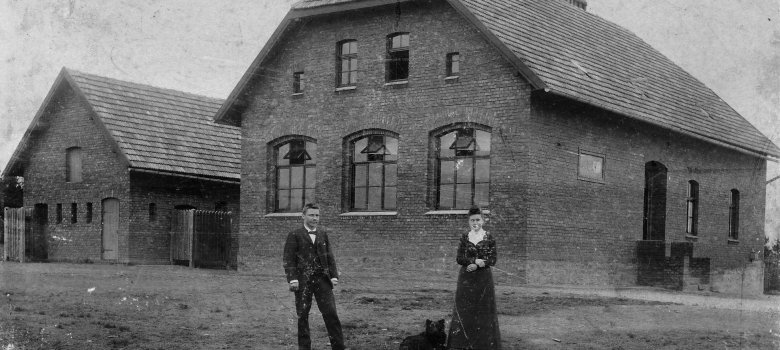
x,y
359,146
391,174
447,172
375,174
483,170
311,177
689,228
465,170
360,197
482,194
284,179
591,167
353,47
353,78
296,200
455,69
283,200
404,40
463,196
445,142
311,147
360,175
446,196
390,193
280,154
483,142
396,41
296,180
353,65
375,198
310,196
392,148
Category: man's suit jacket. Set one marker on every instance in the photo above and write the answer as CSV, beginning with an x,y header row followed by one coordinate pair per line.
x,y
301,256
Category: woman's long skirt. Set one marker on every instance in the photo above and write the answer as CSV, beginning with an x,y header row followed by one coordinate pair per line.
x,y
474,321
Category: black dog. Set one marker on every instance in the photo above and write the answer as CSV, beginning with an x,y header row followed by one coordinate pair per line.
x,y
432,339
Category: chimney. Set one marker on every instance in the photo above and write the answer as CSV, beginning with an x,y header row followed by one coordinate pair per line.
x,y
583,4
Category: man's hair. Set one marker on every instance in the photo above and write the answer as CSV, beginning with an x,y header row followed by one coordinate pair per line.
x,y
475,210
310,206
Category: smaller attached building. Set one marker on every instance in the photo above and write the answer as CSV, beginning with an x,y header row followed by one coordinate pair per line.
x,y
106,162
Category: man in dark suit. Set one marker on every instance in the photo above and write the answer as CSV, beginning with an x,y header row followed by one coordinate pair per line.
x,y
311,271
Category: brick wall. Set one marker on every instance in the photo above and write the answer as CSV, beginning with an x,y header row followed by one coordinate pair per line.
x,y
579,223
150,239
551,227
488,92
69,124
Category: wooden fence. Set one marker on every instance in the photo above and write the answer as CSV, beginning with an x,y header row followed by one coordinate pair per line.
x,y
201,237
13,234
24,238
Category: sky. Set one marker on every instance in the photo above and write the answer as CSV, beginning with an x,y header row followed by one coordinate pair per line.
x,y
204,46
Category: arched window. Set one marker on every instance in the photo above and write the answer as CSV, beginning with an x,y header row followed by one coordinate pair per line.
x,y
294,172
692,208
462,166
373,170
73,164
734,215
655,201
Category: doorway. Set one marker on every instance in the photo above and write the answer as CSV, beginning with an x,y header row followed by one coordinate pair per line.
x,y
110,228
655,202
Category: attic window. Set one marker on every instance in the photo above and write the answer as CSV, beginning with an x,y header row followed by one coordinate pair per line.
x,y
73,164
298,83
397,57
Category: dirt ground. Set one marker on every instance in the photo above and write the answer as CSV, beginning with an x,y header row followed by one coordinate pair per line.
x,y
69,306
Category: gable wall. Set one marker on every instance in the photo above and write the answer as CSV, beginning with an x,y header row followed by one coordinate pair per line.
x,y
580,230
488,92
104,176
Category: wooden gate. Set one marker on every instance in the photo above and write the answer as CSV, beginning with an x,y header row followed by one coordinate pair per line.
x,y
24,235
201,237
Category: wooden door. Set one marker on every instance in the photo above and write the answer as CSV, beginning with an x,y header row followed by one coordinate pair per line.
x,y
110,224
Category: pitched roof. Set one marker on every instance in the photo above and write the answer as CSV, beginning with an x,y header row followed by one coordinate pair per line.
x,y
566,51
157,129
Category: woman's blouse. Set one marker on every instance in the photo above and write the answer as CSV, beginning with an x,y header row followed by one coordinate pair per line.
x,y
485,249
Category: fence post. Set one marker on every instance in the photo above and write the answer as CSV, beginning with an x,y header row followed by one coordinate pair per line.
x,y
6,236
191,238
22,238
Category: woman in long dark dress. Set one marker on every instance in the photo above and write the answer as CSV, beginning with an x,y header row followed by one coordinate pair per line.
x,y
474,320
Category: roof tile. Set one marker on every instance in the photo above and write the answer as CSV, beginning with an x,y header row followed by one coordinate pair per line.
x,y
164,130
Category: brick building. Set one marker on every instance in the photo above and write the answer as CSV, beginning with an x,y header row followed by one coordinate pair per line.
x,y
105,162
599,160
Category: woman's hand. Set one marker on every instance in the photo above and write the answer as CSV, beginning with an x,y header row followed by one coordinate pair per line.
x,y
471,267
479,262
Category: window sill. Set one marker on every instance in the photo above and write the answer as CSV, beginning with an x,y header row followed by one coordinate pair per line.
x,y
297,94
282,215
690,237
453,212
587,179
397,84
733,241
370,213
452,79
346,88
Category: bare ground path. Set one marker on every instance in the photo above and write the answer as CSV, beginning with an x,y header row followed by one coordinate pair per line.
x,y
68,306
